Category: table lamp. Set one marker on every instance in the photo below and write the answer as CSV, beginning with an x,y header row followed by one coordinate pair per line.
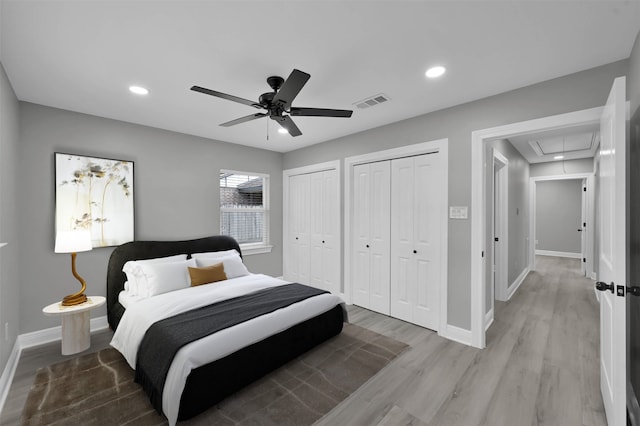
x,y
73,242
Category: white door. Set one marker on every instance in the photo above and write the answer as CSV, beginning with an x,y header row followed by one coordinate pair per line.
x,y
330,212
316,203
361,245
612,256
371,216
299,229
582,229
416,209
380,210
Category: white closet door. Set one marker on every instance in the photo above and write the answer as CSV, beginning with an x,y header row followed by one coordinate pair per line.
x,y
361,223
299,229
428,210
316,202
379,210
330,218
403,274
415,240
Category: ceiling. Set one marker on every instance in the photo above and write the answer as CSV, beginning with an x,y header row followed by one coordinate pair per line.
x,y
82,56
570,143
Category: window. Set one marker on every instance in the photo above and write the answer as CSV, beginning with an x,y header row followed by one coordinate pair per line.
x,y
244,209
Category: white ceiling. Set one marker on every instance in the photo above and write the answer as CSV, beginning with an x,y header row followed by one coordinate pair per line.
x,y
82,56
571,143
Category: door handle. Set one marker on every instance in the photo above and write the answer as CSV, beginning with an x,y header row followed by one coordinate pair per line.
x,y
580,230
602,286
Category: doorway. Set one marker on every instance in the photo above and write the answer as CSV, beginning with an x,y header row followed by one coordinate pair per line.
x,y
480,138
579,228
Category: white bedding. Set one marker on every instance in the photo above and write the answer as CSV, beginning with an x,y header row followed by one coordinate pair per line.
x,y
140,315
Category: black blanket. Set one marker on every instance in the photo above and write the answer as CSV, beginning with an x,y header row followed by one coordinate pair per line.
x,y
164,338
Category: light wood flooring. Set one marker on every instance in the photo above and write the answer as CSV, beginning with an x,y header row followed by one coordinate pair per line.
x,y
540,367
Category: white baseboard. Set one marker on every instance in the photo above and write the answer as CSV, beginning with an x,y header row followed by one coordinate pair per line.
x,y
36,338
456,334
558,254
8,373
488,319
517,282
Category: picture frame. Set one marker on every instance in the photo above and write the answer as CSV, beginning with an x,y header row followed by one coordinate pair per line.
x,y
95,194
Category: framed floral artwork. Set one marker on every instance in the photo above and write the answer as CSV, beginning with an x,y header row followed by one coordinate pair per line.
x,y
95,194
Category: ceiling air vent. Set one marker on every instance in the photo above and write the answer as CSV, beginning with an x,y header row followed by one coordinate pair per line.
x,y
372,101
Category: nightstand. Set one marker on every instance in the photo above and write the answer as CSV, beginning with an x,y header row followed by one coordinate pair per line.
x,y
76,336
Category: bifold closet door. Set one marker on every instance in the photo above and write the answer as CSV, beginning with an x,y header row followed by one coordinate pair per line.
x,y
324,214
298,232
416,201
370,238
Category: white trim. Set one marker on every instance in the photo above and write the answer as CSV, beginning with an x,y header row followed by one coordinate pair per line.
x,y
54,334
478,245
33,339
488,319
558,254
456,334
515,285
9,371
439,145
250,249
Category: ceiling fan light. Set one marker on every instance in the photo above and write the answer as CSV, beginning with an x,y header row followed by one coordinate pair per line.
x,y
434,72
558,157
138,90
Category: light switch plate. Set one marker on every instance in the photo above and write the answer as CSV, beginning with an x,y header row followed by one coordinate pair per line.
x,y
458,212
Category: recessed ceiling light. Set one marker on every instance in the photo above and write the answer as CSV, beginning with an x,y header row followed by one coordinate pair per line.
x,y
283,130
434,72
138,90
558,157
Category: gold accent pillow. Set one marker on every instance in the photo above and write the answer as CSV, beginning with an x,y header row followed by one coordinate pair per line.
x,y
207,275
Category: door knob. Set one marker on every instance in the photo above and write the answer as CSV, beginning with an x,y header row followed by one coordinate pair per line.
x,y
602,286
579,230
415,251
367,245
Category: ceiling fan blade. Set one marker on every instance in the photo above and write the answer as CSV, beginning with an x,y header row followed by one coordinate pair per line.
x,y
291,87
225,96
244,119
320,112
286,122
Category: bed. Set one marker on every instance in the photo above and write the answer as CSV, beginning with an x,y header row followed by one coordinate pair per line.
x,y
209,369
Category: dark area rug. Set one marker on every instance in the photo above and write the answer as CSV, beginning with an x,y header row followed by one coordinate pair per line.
x,y
98,388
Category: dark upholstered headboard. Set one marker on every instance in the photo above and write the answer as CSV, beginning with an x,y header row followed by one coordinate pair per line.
x,y
138,250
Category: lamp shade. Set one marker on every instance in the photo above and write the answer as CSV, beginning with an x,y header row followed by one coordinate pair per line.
x,y
73,241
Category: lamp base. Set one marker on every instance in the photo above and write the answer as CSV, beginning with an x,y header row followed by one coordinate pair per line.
x,y
74,299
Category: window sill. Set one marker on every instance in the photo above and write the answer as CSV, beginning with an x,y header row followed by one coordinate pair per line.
x,y
250,249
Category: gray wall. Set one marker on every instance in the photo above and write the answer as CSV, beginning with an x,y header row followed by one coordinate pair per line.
x,y
176,197
518,217
9,285
559,215
586,89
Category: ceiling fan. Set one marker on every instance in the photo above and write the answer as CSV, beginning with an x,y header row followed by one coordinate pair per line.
x,y
278,103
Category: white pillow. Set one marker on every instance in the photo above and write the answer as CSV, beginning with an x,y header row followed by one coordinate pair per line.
x,y
134,274
214,254
233,266
165,277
